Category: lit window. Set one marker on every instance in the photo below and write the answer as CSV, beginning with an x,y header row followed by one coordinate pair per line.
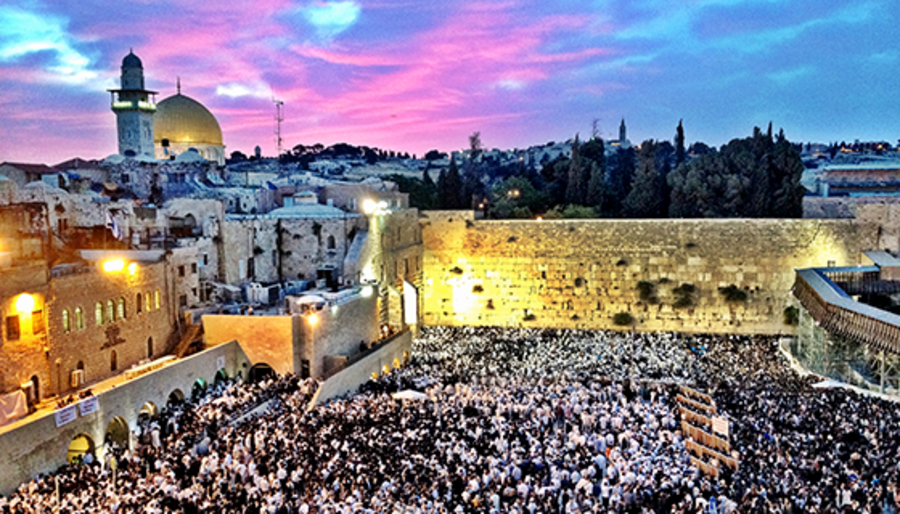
x,y
156,299
67,327
147,302
120,308
79,319
110,311
98,313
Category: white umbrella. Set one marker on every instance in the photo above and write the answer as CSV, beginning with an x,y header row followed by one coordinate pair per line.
x,y
409,394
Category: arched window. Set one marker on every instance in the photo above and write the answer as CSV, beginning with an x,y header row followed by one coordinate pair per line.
x,y
120,308
67,325
139,303
331,242
147,302
149,347
110,311
79,319
113,361
98,313
156,299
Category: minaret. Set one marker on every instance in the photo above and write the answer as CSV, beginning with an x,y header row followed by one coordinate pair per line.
x,y
134,108
622,137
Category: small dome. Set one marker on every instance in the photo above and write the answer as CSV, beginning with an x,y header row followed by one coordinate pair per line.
x,y
183,120
132,61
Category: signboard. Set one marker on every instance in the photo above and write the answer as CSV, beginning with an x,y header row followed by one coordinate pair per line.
x,y
720,425
65,415
220,362
87,406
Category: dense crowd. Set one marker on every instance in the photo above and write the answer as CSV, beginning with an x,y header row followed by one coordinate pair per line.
x,y
519,421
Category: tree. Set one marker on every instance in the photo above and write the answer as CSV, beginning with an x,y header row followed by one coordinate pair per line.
x,y
645,198
679,144
515,195
475,147
576,185
450,188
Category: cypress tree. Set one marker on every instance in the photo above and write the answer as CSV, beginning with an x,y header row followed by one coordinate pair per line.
x,y
679,144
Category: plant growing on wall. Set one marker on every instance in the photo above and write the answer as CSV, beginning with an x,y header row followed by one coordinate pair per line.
x,y
623,319
456,270
684,295
477,288
733,294
791,315
647,292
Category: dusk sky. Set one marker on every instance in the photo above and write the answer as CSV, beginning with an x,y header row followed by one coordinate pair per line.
x,y
413,75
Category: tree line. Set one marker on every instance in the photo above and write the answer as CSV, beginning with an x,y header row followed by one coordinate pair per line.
x,y
757,176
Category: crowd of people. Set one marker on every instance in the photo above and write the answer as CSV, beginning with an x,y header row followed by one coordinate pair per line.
x,y
508,420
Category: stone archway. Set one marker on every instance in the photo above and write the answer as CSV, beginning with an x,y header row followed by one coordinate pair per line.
x,y
81,445
117,432
175,397
260,371
198,388
148,410
221,376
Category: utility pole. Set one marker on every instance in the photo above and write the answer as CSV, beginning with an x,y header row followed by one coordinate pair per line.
x,y
279,117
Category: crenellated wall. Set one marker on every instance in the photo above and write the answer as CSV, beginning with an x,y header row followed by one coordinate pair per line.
x,y
580,273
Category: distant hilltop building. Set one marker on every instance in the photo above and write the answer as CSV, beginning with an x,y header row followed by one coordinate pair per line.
x,y
177,128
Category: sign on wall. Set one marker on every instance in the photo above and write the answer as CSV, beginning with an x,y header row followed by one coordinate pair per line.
x,y
88,405
720,425
220,362
65,415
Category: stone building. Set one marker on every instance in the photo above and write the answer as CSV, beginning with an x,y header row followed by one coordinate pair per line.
x,y
106,316
24,291
304,240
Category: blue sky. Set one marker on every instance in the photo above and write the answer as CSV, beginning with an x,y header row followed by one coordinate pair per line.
x,y
414,75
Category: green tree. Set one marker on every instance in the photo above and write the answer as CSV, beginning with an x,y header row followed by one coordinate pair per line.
x,y
645,198
576,184
679,144
515,195
450,188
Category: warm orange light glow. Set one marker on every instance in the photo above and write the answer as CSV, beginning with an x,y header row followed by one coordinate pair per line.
x,y
132,268
25,303
113,265
540,218
313,319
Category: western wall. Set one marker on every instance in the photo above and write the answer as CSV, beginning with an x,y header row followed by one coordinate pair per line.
x,y
581,273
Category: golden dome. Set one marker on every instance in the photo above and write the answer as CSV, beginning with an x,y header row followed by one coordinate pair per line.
x,y
183,120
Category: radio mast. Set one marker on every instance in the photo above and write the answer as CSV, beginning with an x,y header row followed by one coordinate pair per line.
x,y
279,117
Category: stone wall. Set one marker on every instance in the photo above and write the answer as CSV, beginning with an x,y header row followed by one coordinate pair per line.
x,y
580,273
36,445
339,331
265,339
348,380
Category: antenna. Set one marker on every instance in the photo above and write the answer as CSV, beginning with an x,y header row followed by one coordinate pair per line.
x,y
279,117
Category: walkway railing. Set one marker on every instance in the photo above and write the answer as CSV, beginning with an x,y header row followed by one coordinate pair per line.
x,y
835,311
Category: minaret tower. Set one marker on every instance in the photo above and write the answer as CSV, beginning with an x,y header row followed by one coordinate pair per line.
x,y
134,107
622,133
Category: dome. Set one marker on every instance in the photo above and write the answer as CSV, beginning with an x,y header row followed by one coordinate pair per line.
x,y
183,120
132,61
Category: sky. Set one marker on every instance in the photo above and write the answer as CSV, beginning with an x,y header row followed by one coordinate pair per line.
x,y
415,75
